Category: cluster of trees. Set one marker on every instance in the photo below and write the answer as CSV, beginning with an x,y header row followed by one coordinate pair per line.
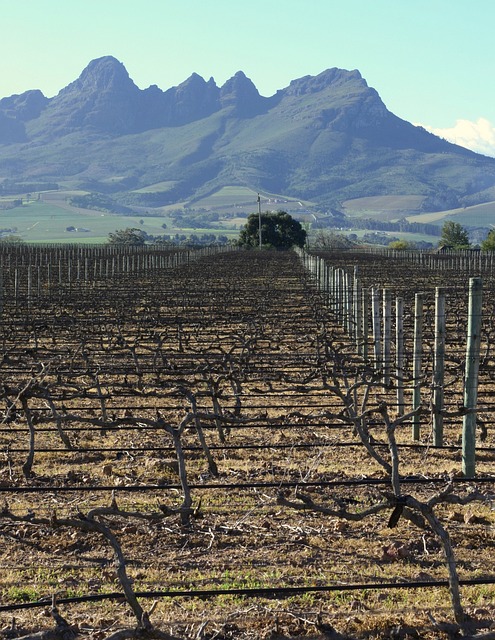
x,y
12,187
401,226
201,219
10,238
138,237
454,235
128,236
280,231
99,202
10,204
332,241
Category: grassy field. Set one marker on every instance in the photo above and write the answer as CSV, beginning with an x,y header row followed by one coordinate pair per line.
x,y
402,235
158,187
480,215
382,207
243,199
47,221
230,197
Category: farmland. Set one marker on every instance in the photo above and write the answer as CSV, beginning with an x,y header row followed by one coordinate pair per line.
x,y
482,215
202,430
53,217
45,217
47,221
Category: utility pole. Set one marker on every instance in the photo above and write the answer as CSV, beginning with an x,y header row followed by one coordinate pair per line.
x,y
259,218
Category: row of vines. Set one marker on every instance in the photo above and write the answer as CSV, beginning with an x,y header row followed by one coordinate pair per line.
x,y
201,445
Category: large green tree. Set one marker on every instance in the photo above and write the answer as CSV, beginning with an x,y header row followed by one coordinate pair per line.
x,y
454,235
278,230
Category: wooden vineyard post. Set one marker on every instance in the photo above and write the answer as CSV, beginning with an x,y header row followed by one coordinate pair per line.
x,y
365,333
439,367
329,293
417,361
358,312
340,295
399,351
346,308
333,292
471,377
330,285
387,333
16,286
337,290
377,334
29,285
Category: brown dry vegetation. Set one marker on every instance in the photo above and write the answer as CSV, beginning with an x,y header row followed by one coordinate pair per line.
x,y
105,370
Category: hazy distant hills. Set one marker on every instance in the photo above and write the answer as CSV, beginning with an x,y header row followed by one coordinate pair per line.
x,y
324,138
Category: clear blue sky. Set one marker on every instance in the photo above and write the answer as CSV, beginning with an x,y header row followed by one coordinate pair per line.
x,y
431,61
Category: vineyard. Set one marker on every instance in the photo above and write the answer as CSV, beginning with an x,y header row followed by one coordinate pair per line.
x,y
227,444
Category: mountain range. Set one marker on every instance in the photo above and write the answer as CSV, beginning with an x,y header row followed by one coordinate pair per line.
x,y
325,139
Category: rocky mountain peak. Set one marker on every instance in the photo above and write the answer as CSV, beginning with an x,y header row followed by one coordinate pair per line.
x,y
103,98
103,74
194,99
241,93
330,78
26,106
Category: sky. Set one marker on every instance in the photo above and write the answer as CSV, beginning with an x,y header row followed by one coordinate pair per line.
x,y
431,61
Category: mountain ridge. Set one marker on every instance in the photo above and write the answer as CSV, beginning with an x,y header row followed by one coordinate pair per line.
x,y
323,138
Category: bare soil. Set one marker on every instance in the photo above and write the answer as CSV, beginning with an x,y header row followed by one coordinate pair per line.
x,y
107,365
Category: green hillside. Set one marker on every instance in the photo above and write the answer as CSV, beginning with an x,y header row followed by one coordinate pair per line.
x,y
480,215
383,207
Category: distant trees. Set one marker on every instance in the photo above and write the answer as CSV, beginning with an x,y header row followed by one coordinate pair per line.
x,y
401,226
278,230
197,219
11,238
99,202
139,237
329,240
488,243
129,236
454,235
402,245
